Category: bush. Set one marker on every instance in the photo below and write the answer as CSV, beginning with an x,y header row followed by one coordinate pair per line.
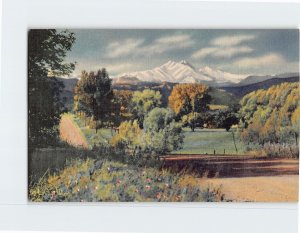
x,y
161,135
281,150
99,180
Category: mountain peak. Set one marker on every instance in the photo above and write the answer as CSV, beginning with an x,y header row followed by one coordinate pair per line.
x,y
186,63
184,72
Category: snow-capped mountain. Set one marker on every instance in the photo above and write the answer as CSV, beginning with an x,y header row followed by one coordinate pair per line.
x,y
220,76
182,72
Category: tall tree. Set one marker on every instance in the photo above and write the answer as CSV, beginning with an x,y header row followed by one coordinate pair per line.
x,y
94,97
46,52
188,99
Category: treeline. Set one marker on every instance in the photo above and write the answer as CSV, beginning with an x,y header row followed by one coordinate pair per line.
x,y
46,52
189,101
271,116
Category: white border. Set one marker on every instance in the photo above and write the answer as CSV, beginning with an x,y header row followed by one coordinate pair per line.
x,y
17,214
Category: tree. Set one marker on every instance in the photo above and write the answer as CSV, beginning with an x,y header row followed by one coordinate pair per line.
x,y
46,52
225,118
187,98
157,119
143,102
270,116
161,133
123,98
82,99
94,96
188,101
129,136
192,120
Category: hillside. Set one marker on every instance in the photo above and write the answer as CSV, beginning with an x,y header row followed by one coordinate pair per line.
x,y
219,96
256,78
240,91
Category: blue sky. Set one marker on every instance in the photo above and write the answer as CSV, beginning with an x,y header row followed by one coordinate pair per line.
x,y
232,50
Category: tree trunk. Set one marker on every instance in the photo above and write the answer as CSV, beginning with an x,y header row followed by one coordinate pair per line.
x,y
234,142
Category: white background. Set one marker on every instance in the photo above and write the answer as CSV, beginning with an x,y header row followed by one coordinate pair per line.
x,y
15,211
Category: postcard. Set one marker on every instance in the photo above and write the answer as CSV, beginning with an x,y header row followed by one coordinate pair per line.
x,y
163,115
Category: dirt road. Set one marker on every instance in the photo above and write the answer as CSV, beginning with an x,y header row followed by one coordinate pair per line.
x,y
70,132
244,178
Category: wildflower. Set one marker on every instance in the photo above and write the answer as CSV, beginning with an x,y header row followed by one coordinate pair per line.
x,y
136,190
178,197
86,187
148,180
167,185
78,190
119,182
158,196
96,187
148,187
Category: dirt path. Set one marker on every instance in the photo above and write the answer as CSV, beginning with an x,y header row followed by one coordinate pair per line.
x,y
244,178
70,132
258,189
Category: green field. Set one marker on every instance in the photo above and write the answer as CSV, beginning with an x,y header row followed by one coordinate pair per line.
x,y
204,141
103,135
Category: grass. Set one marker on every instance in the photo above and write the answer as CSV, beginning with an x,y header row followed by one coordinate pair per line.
x,y
217,107
100,180
102,136
204,141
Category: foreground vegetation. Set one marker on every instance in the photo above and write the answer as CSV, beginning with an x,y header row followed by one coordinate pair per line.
x,y
101,180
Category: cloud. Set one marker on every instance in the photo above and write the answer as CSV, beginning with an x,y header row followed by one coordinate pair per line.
x,y
225,47
121,67
137,47
225,41
232,51
217,52
173,39
265,61
122,48
204,52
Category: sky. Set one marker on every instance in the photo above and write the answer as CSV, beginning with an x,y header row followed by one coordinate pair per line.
x,y
256,52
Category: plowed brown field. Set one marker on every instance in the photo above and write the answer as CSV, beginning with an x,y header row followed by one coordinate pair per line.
x,y
70,132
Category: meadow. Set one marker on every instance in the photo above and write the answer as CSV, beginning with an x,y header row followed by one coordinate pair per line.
x,y
210,141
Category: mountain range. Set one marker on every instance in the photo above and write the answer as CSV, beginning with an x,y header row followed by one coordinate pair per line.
x,y
181,72
226,87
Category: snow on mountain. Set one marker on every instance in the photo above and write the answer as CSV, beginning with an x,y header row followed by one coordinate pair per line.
x,y
183,72
222,76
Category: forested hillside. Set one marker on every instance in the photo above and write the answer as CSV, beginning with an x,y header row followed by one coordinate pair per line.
x,y
272,115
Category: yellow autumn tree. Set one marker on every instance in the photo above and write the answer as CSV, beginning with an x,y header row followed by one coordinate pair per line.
x,y
187,98
271,115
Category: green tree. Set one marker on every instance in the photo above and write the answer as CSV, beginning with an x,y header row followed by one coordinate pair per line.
x,y
161,133
192,120
143,102
94,96
46,52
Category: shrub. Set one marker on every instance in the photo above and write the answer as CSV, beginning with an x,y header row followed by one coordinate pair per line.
x,y
281,150
99,180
